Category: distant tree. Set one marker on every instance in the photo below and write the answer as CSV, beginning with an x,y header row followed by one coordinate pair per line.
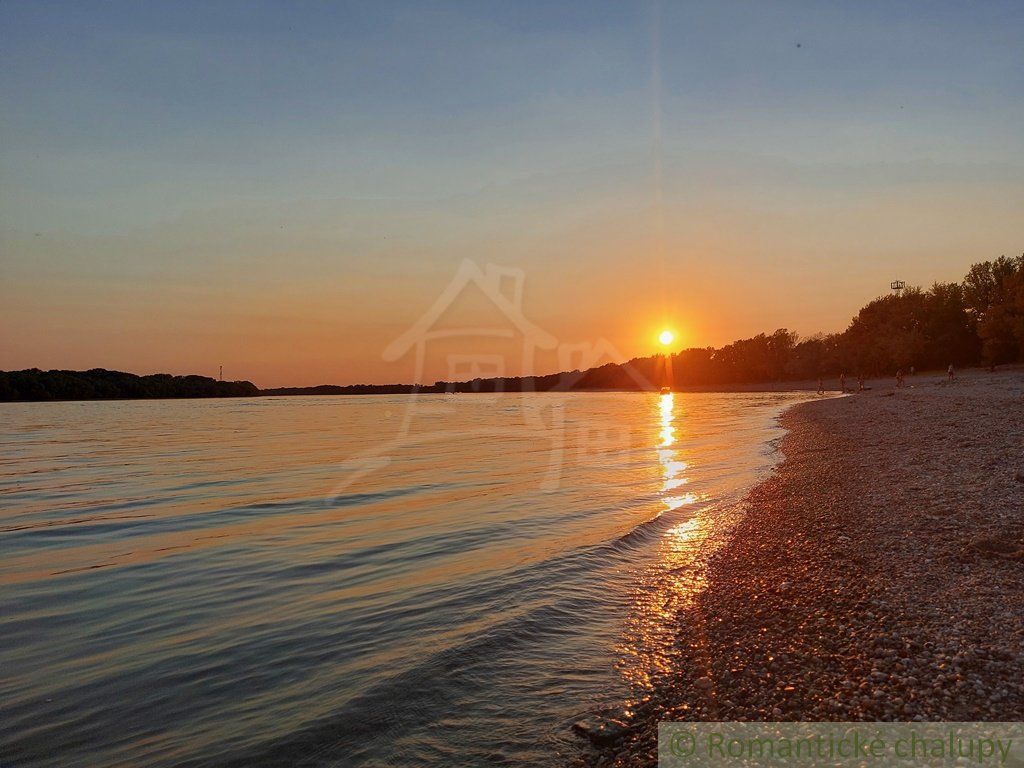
x,y
818,355
886,334
950,331
984,282
1001,328
949,323
100,384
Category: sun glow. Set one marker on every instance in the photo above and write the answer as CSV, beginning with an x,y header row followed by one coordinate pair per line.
x,y
666,337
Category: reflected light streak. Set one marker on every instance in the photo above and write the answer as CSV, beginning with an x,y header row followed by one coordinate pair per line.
x,y
675,502
671,466
648,649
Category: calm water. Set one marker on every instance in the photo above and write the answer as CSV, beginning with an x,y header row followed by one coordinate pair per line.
x,y
351,581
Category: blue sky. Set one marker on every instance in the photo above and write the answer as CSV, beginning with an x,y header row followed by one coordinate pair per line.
x,y
186,182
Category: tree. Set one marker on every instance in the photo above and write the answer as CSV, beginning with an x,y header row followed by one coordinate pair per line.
x,y
1001,328
949,330
983,283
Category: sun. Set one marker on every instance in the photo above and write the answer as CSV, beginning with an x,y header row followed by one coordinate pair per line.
x,y
666,337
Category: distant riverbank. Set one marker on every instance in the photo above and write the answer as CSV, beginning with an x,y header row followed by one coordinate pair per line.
x,y
99,384
35,385
877,575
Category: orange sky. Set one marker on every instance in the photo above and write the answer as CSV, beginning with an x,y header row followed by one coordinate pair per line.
x,y
288,315
297,199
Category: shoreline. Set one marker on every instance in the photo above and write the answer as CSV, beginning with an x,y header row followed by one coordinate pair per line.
x,y
760,387
877,574
830,386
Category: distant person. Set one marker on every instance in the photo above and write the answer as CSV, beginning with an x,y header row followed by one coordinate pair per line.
x,y
951,372
899,378
821,386
860,383
912,370
842,382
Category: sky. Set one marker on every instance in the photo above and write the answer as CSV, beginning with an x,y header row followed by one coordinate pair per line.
x,y
284,189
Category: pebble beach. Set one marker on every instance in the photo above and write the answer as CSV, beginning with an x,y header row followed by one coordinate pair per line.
x,y
877,575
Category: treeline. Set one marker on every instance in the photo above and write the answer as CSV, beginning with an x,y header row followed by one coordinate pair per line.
x,y
100,384
979,321
349,389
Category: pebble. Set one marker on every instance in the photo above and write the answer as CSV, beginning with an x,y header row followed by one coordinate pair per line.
x,y
910,626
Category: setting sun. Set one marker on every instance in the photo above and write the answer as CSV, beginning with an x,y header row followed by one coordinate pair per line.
x,y
464,302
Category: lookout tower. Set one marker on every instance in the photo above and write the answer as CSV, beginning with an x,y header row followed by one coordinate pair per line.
x,y
897,286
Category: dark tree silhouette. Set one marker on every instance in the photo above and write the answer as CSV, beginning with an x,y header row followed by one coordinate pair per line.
x,y
978,320
101,384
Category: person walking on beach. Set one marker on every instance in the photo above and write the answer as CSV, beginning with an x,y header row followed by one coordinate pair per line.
x,y
899,378
821,386
860,382
842,382
952,373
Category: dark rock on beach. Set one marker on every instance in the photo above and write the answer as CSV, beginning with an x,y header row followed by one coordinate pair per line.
x,y
601,731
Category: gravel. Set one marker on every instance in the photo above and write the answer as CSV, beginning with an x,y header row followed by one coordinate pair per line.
x,y
877,575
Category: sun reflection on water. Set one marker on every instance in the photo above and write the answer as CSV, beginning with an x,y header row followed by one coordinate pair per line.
x,y
668,432
672,467
647,650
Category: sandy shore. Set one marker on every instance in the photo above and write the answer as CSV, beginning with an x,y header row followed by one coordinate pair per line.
x,y
877,575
